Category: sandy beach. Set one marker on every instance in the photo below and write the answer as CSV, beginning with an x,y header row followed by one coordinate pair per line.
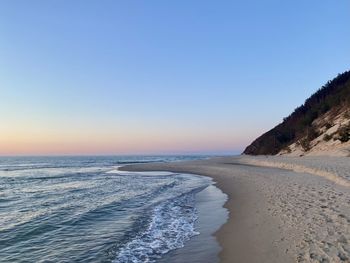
x,y
281,209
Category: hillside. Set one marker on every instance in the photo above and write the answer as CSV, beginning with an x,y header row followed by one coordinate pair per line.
x,y
321,125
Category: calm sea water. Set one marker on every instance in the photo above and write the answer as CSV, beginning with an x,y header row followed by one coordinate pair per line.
x,y
82,209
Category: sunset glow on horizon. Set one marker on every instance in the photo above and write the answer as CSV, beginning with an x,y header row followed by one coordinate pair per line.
x,y
120,77
36,140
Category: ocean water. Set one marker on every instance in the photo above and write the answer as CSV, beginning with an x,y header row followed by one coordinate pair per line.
x,y
82,209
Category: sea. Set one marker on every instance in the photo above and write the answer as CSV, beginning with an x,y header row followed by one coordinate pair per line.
x,y
83,209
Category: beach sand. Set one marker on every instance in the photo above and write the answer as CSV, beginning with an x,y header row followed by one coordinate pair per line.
x,y
300,213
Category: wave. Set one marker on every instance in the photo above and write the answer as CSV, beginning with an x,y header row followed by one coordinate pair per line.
x,y
172,224
101,215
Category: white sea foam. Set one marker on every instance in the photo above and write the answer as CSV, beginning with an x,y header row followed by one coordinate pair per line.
x,y
117,171
173,223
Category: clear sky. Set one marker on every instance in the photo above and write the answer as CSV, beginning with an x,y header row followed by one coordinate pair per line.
x,y
182,76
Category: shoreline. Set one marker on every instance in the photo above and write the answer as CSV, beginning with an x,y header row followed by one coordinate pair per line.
x,y
203,248
247,225
275,215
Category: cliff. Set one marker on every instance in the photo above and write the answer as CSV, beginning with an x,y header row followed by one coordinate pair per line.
x,y
320,126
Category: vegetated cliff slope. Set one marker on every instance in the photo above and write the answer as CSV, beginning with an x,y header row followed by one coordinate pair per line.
x,y
321,124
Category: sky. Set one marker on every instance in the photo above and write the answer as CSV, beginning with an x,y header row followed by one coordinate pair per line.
x,y
160,77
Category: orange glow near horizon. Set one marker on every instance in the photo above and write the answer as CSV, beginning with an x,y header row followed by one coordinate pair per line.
x,y
78,136
50,141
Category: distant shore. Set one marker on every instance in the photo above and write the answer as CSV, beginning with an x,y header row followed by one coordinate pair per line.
x,y
276,215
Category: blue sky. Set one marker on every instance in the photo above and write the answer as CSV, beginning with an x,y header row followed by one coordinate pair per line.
x,y
169,76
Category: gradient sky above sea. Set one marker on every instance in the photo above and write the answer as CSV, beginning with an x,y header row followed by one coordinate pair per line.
x,y
149,77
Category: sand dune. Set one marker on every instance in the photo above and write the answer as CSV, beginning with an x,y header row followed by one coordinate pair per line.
x,y
336,169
